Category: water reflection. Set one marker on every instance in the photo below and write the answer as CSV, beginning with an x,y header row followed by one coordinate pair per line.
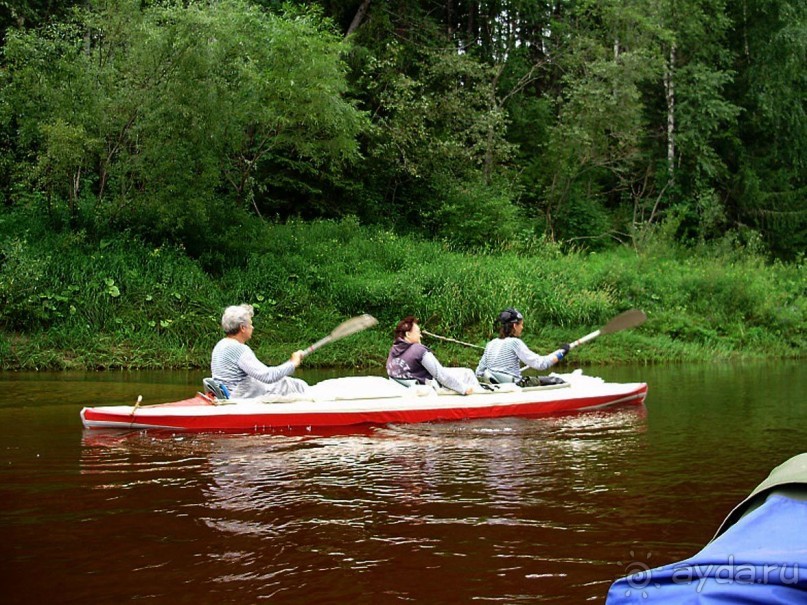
x,y
436,498
505,510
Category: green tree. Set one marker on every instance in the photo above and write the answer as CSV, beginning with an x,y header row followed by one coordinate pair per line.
x,y
594,118
705,115
598,161
642,119
438,139
770,160
32,13
161,119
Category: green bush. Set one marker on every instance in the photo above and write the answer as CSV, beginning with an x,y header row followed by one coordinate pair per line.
x,y
475,215
69,301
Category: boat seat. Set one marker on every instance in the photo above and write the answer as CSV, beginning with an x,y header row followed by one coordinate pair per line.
x,y
217,388
492,377
407,382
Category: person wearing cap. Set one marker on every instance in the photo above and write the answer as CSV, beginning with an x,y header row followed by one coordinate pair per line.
x,y
234,364
503,356
409,361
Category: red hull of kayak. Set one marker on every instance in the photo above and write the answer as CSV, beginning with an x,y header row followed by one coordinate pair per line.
x,y
199,414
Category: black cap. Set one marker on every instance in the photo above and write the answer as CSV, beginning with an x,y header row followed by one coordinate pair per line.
x,y
510,316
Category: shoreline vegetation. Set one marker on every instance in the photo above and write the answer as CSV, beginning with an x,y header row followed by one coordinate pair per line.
x,y
69,302
573,163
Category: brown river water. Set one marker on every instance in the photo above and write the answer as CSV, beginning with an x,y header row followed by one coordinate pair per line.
x,y
499,511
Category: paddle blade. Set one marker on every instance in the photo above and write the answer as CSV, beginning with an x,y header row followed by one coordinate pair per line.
x,y
353,325
623,321
346,328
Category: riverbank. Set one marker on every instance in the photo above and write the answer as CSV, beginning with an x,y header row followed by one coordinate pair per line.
x,y
368,351
72,303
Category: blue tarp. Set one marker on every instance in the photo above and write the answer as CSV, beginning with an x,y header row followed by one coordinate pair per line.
x,y
761,559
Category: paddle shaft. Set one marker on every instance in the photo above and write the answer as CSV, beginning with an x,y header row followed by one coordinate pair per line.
x,y
446,338
623,321
320,343
584,339
136,405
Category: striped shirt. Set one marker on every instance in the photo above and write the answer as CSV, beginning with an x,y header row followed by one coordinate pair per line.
x,y
232,362
505,355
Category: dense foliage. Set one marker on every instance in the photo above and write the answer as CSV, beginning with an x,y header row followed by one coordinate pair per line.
x,y
160,159
69,302
475,122
166,121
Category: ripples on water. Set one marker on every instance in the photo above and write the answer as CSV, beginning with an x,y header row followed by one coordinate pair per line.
x,y
502,510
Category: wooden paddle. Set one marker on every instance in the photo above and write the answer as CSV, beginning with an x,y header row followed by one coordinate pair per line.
x,y
623,321
346,328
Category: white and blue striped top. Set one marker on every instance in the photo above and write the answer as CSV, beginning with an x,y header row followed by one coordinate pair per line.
x,y
503,355
231,362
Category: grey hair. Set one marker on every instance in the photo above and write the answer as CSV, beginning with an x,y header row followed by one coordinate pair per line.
x,y
236,316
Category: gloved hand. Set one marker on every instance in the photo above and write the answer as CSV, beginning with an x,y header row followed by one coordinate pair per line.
x,y
562,351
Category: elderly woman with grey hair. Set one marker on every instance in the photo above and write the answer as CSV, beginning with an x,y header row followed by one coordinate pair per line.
x,y
235,365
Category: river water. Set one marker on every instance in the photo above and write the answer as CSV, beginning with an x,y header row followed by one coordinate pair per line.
x,y
501,511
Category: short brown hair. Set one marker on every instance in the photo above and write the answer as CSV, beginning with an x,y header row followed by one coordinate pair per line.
x,y
405,325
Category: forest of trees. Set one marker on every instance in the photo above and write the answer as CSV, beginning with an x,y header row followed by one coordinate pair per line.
x,y
473,121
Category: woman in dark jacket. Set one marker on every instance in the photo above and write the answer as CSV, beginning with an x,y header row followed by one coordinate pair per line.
x,y
410,360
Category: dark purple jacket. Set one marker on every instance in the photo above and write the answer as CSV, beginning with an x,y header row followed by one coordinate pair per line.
x,y
404,361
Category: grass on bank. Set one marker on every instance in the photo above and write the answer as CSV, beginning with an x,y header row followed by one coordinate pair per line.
x,y
67,302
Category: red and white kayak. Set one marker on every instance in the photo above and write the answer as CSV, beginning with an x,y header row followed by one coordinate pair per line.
x,y
367,400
